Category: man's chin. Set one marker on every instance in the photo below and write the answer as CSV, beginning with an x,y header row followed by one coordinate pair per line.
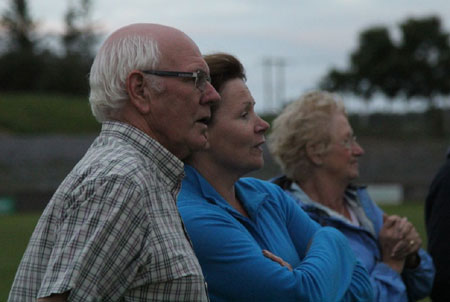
x,y
354,176
206,146
206,143
201,144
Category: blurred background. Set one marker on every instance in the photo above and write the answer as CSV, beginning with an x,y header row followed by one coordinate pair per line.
x,y
389,60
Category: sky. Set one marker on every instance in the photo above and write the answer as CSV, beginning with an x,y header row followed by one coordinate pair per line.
x,y
304,38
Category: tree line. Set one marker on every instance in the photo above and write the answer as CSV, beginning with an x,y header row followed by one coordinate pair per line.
x,y
415,65
28,64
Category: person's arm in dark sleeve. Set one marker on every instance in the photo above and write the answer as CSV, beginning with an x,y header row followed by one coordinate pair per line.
x,y
437,218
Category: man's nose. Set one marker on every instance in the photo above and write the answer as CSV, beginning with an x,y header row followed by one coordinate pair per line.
x,y
210,95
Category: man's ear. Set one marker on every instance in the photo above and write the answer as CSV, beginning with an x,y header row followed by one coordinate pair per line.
x,y
313,153
138,92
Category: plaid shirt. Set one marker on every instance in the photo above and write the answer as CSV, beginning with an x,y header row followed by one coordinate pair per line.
x,y
112,231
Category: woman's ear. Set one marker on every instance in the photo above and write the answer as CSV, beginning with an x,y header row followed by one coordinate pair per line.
x,y
138,92
314,153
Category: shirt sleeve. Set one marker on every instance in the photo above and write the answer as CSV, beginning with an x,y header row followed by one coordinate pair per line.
x,y
236,269
389,285
419,280
411,285
97,251
350,278
360,287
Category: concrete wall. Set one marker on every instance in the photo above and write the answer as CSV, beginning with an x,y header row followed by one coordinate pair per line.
x,y
31,167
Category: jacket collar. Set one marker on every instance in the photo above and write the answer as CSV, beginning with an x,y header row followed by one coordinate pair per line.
x,y
351,197
195,184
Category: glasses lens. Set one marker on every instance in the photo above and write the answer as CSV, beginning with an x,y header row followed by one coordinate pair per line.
x,y
201,79
349,142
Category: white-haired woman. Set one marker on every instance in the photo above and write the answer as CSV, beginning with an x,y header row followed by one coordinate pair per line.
x,y
315,145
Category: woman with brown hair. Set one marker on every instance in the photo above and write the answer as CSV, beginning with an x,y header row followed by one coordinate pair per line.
x,y
252,241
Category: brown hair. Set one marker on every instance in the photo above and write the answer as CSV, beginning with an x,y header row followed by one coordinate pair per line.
x,y
224,67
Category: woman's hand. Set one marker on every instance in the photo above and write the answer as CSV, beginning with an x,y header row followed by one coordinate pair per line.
x,y
411,241
409,246
277,259
389,238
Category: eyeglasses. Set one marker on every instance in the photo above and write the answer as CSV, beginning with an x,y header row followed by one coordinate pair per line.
x,y
201,77
349,142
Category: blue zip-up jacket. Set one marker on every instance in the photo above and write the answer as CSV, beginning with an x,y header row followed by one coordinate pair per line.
x,y
388,285
229,246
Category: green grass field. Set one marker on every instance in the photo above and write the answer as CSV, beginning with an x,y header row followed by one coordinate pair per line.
x,y
15,231
22,113
26,113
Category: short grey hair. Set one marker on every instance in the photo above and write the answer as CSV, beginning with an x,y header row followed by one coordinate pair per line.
x,y
304,121
114,61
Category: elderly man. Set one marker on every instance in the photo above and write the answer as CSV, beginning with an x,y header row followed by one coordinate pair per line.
x,y
112,231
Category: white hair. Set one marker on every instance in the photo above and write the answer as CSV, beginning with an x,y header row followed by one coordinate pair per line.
x,y
304,121
114,61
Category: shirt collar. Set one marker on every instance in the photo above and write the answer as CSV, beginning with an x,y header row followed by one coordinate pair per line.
x,y
307,201
170,165
351,197
194,183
